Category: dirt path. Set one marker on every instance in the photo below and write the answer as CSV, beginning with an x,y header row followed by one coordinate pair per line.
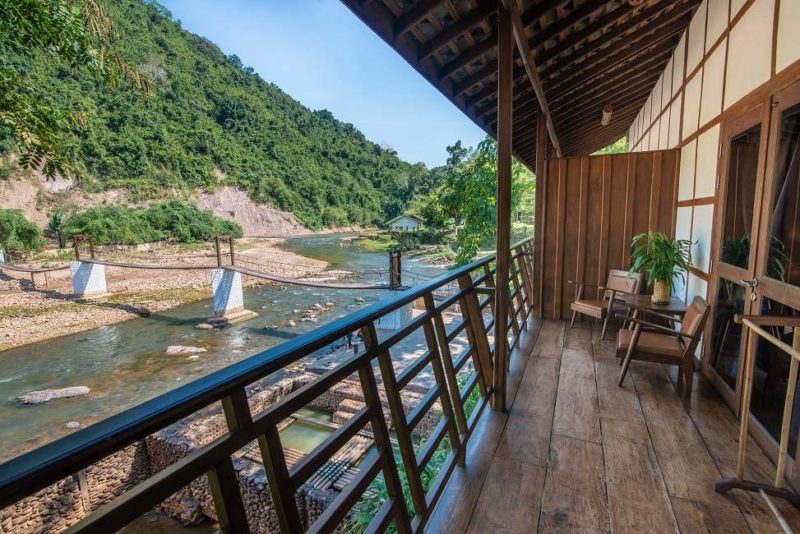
x,y
28,314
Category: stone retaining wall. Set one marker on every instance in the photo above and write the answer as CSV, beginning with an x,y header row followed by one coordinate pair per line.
x,y
62,504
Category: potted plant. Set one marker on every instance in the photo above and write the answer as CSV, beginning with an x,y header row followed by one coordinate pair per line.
x,y
663,259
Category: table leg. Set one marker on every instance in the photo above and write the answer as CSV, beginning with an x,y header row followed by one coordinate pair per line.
x,y
627,361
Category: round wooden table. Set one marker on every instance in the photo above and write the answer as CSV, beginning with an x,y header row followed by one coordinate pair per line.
x,y
643,304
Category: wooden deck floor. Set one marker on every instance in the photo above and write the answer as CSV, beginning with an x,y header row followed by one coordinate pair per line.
x,y
577,453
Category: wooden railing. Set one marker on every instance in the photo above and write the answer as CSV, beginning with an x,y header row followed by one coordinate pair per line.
x,y
67,456
753,324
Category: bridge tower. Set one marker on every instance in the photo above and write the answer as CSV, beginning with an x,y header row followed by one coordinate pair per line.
x,y
403,315
226,286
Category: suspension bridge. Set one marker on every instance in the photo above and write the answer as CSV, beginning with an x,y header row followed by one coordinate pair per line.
x,y
88,275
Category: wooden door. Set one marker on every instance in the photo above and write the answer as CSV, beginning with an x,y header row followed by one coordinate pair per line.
x,y
740,185
777,271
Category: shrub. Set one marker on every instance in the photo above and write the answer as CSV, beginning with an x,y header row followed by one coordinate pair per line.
x,y
175,221
18,233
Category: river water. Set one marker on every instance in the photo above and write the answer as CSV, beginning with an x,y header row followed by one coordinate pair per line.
x,y
125,364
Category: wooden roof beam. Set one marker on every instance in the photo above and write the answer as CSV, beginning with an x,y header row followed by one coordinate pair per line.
x,y
566,22
592,120
613,55
533,74
490,42
657,10
452,32
414,16
608,60
645,79
616,76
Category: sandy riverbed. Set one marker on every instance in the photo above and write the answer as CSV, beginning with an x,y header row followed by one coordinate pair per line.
x,y
29,314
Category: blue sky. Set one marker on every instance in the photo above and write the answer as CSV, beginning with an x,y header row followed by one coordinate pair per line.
x,y
322,55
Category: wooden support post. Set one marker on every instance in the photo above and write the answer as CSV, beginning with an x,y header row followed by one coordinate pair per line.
x,y
219,252
91,246
539,215
76,244
505,95
230,245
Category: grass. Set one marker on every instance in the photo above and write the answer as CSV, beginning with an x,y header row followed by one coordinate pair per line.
x,y
379,241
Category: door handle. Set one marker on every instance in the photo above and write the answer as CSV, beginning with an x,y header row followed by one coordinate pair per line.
x,y
752,284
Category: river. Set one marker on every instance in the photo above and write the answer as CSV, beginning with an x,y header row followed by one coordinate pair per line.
x,y
125,364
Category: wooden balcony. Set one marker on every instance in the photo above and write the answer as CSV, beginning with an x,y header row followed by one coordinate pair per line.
x,y
576,452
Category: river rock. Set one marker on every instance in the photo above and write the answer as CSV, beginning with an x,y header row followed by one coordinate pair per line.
x,y
359,299
204,326
184,349
291,323
45,395
73,424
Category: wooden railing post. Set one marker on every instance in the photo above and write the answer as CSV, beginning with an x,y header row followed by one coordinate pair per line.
x,y
219,252
225,489
76,244
476,333
447,360
230,245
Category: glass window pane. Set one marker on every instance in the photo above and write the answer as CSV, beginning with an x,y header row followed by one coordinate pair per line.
x,y
784,248
770,378
727,335
742,174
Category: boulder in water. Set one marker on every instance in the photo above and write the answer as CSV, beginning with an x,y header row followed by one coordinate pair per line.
x,y
184,349
45,395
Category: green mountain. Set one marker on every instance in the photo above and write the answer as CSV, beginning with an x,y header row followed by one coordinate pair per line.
x,y
215,122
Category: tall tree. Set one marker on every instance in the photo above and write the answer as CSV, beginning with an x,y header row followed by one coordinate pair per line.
x,y
469,194
79,34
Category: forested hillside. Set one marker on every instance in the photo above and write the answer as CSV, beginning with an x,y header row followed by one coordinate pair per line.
x,y
213,121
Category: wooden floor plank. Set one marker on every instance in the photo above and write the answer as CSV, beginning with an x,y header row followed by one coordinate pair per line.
x,y
458,501
719,428
527,433
510,499
578,337
637,495
629,459
574,492
576,412
686,465
550,341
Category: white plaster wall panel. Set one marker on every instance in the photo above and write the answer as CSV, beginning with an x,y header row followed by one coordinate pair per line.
x,y
736,6
691,104
648,115
675,123
646,142
703,220
679,289
655,133
683,222
749,51
696,287
706,171
677,69
713,76
717,21
686,177
666,91
697,36
663,136
655,97
788,50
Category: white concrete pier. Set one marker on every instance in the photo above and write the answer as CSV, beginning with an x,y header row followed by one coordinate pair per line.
x,y
396,319
228,298
88,279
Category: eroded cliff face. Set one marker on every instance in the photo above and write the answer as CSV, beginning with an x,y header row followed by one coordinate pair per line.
x,y
38,198
261,220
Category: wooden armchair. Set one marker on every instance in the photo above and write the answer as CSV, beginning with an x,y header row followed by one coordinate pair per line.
x,y
619,283
651,342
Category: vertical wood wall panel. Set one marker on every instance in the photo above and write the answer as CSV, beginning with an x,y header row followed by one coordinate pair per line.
x,y
594,206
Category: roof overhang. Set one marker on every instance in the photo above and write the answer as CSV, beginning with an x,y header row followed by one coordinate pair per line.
x,y
587,54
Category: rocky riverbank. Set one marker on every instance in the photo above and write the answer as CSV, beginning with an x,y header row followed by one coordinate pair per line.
x,y
31,314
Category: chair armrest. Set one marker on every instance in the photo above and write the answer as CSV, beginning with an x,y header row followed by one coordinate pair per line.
x,y
649,325
663,316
